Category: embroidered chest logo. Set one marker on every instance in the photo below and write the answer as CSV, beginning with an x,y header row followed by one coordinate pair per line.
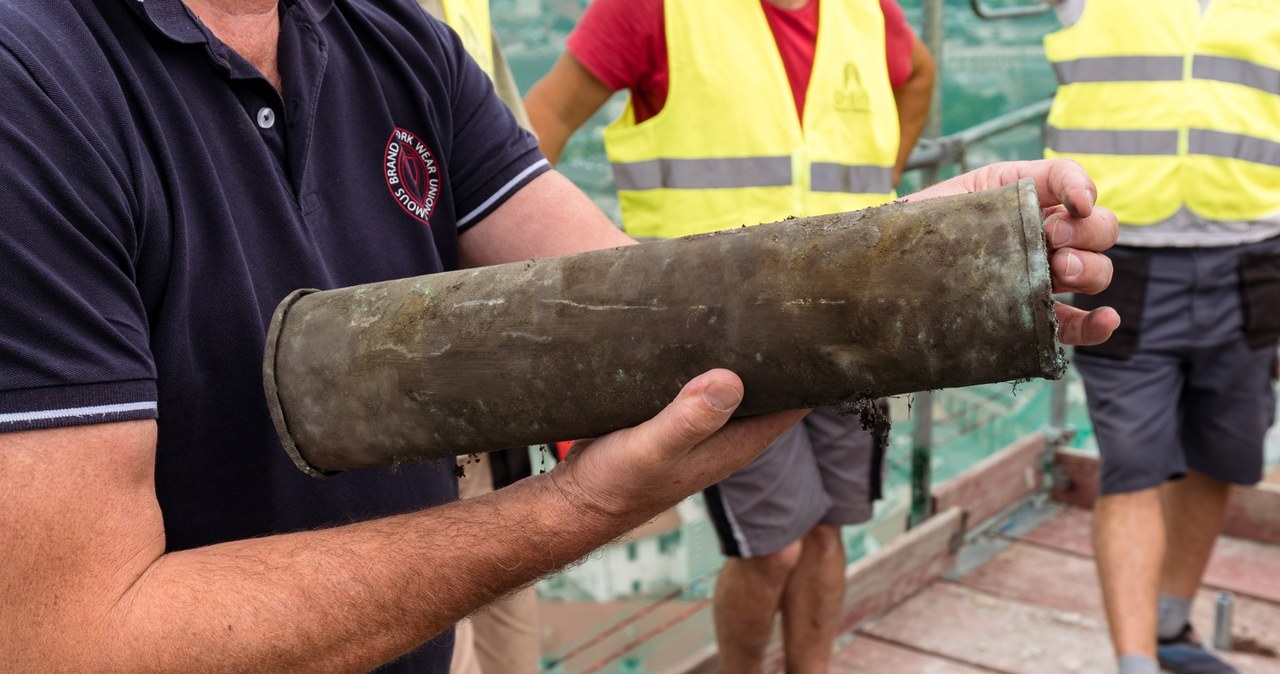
x,y
412,174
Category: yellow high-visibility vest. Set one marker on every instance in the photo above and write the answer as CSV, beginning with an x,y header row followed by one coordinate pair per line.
x,y
470,19
1165,107
727,148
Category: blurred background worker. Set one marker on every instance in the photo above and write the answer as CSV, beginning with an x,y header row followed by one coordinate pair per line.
x,y
1173,107
739,115
506,636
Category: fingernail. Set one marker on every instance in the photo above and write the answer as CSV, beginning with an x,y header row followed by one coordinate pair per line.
x,y
1073,264
1059,232
722,396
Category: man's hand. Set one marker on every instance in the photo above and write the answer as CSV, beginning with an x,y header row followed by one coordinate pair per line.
x,y
1076,231
638,472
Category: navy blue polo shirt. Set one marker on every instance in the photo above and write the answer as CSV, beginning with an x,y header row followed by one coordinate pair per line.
x,y
158,198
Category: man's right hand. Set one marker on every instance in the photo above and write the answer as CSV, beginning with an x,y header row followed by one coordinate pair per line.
x,y
691,444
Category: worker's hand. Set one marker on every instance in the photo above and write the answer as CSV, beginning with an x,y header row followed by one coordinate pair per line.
x,y
1075,228
636,473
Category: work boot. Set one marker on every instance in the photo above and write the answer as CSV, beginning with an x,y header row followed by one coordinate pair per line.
x,y
1184,654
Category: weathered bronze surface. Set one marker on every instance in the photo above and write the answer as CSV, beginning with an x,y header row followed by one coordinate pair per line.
x,y
811,311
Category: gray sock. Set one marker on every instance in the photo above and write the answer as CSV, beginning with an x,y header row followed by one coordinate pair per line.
x,y
1137,664
1174,613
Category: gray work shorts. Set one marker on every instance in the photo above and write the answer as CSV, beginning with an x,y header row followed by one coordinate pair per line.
x,y
1188,380
826,469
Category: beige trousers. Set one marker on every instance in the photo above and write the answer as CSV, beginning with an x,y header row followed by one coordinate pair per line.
x,y
506,636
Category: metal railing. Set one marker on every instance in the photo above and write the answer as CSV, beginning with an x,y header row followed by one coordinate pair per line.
x,y
930,154
985,11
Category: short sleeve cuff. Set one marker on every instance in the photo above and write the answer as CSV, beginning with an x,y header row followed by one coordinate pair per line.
x,y
80,405
516,175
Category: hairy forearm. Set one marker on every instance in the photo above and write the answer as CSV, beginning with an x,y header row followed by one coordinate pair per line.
x,y
343,599
85,584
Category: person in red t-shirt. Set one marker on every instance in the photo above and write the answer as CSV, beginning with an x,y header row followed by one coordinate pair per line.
x,y
623,45
779,519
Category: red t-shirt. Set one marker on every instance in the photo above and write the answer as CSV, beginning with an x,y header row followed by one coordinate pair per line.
x,y
624,44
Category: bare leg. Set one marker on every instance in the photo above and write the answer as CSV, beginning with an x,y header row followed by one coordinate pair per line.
x,y
1194,510
811,601
1129,540
747,595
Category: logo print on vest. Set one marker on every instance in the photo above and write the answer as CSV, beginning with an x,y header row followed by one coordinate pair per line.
x,y
852,97
412,174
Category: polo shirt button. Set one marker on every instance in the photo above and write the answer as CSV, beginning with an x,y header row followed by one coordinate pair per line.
x,y
266,118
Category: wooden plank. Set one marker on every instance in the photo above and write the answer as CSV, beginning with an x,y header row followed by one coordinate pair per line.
x,y
1075,477
1038,575
1253,664
1069,583
1007,635
995,632
878,582
869,655
1245,567
1069,531
1254,512
704,660
996,482
1239,565
590,636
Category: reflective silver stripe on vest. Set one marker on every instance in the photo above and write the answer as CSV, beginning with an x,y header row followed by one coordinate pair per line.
x,y
1168,69
703,174
854,179
1236,71
1093,141
1119,69
1233,146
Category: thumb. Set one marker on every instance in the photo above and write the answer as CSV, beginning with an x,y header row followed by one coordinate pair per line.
x,y
702,407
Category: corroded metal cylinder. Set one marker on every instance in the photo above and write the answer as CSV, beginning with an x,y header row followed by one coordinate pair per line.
x,y
946,292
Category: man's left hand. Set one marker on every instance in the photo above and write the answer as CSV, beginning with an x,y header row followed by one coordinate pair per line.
x,y
1076,230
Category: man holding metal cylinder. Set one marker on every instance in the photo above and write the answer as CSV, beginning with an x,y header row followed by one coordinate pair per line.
x,y
1174,109
739,115
172,170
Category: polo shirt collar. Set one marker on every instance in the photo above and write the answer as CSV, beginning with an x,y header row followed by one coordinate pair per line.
x,y
174,20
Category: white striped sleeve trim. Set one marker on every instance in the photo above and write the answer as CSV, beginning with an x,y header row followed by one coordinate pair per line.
x,y
502,192
73,412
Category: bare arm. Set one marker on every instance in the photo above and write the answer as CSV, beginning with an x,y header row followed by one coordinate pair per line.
x,y
572,224
86,585
561,102
913,98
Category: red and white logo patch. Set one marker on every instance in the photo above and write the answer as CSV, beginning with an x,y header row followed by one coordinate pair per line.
x,y
412,174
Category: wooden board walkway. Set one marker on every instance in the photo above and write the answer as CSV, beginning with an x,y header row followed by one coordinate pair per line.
x,y
1033,606
1001,580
